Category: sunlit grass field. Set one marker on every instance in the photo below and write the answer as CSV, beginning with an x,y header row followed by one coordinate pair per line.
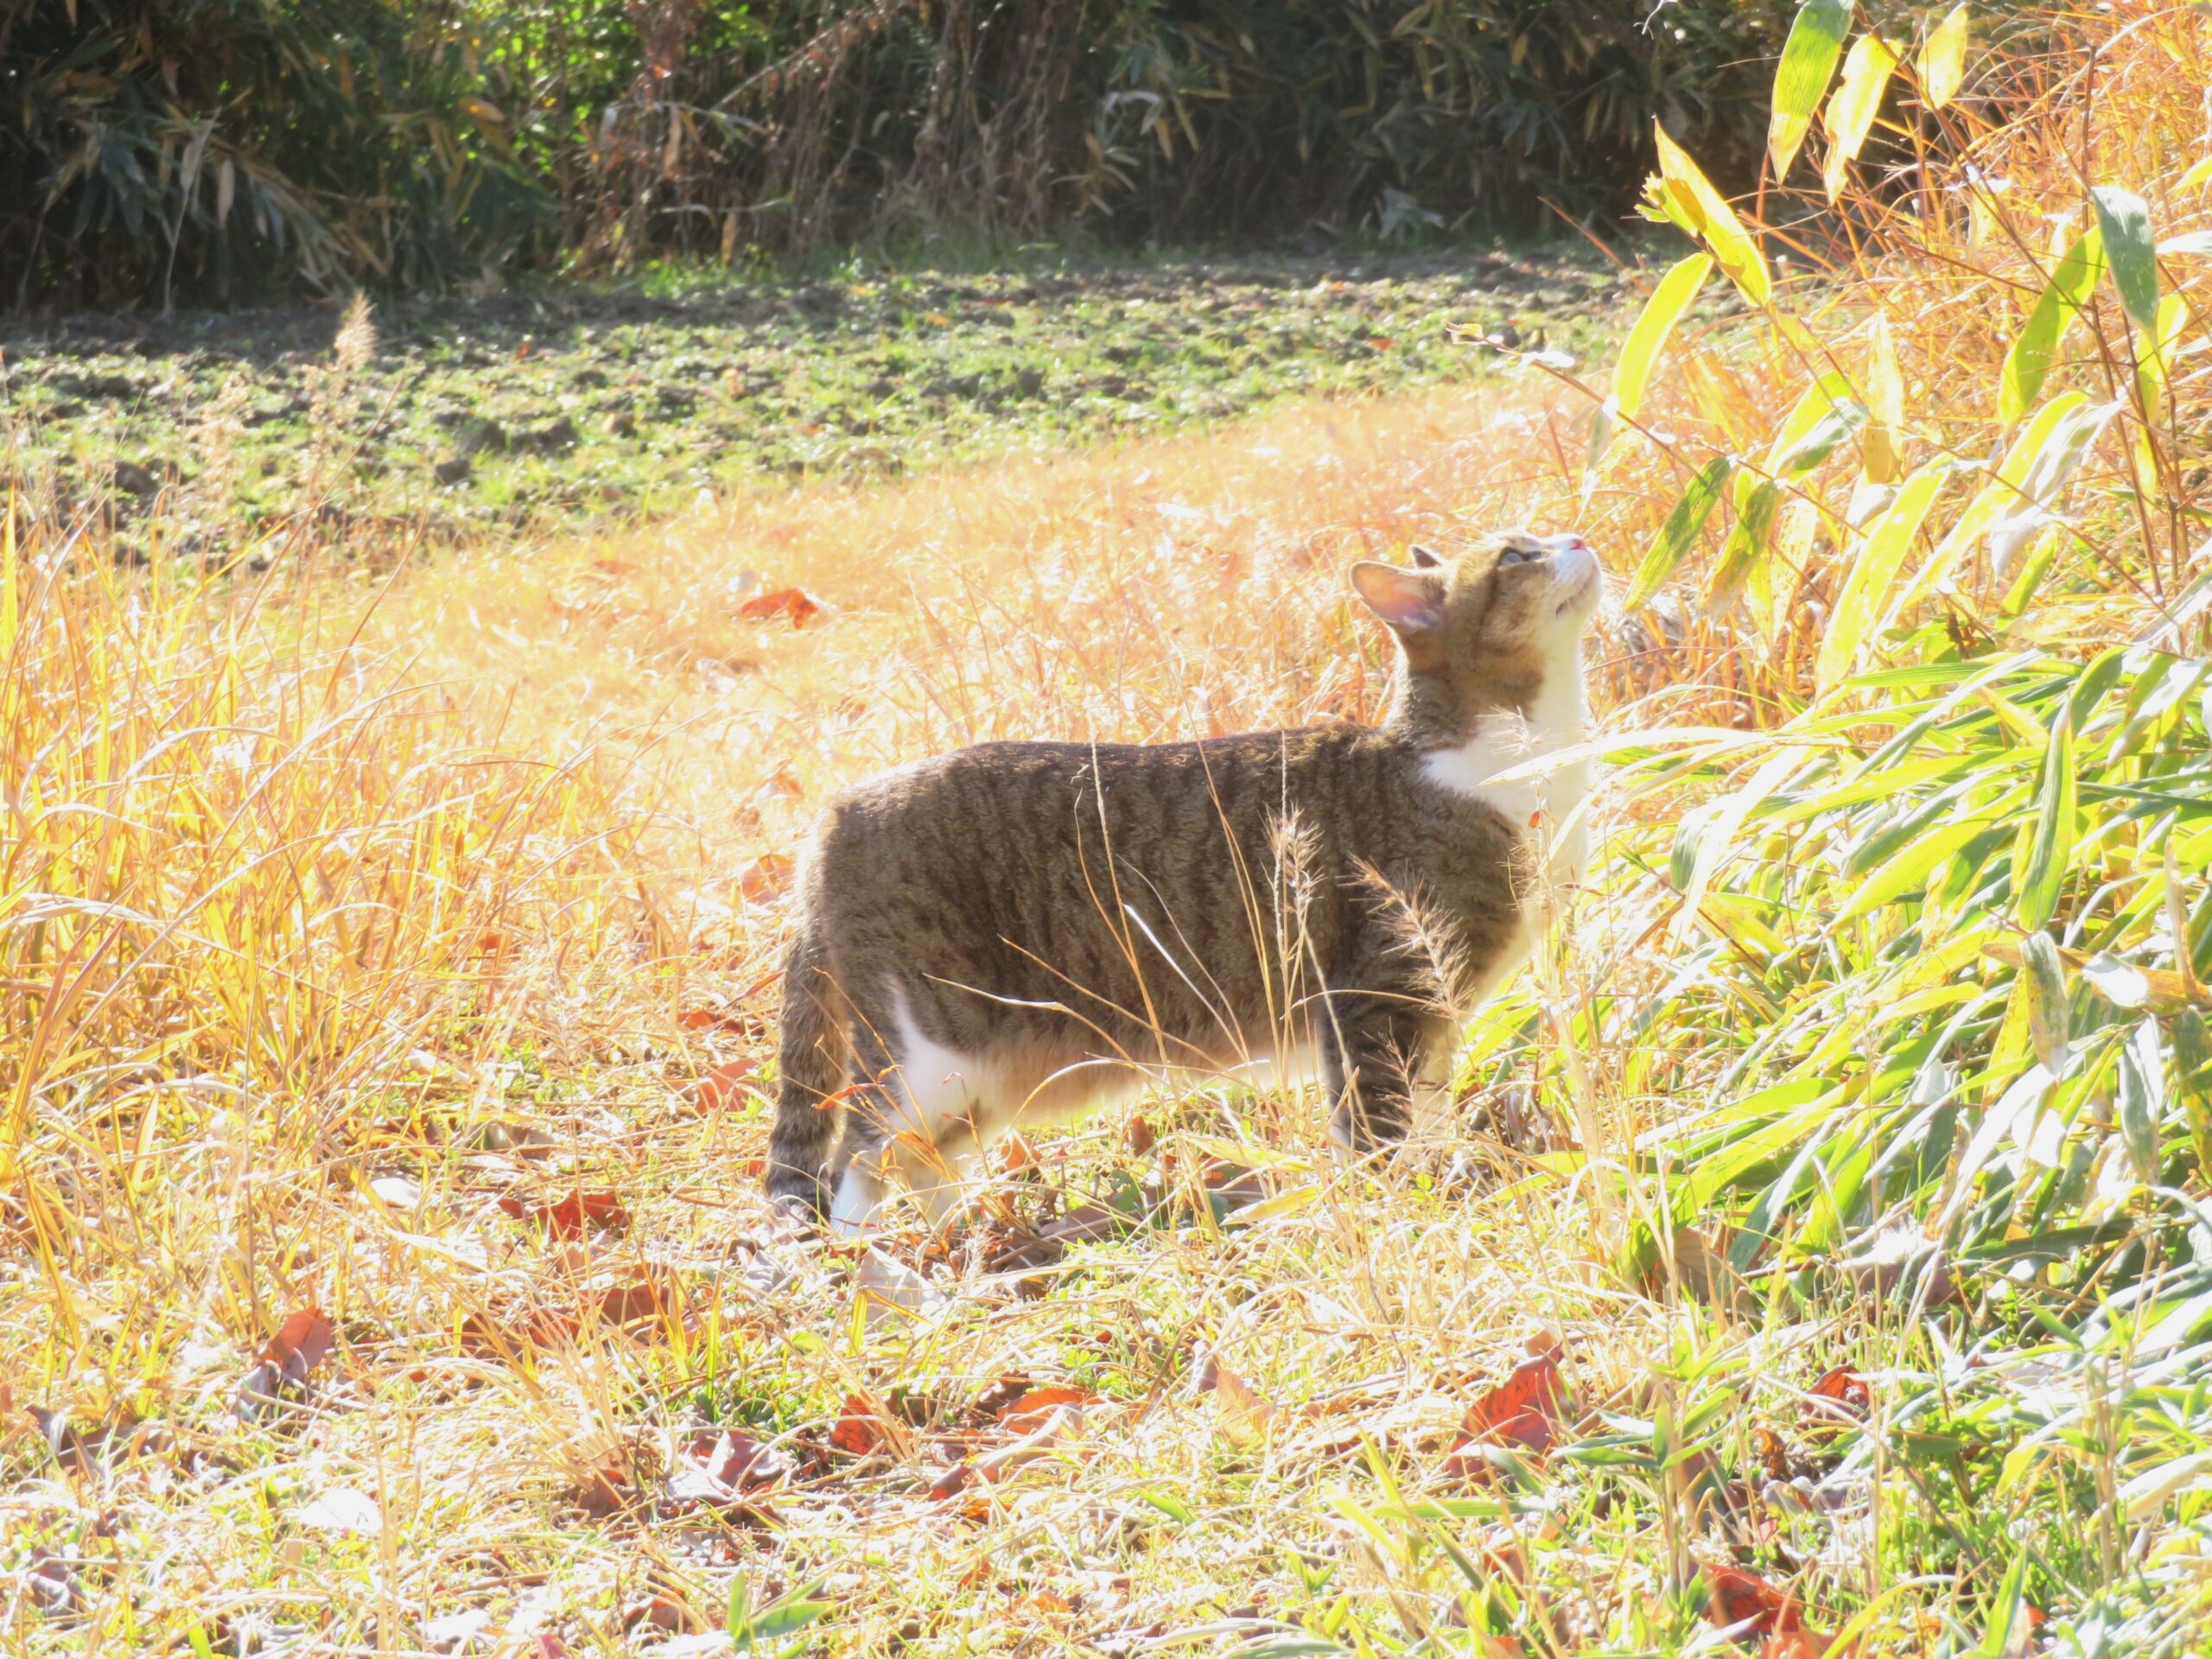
x,y
1811,1257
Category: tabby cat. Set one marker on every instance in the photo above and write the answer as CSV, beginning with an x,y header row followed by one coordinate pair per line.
x,y
1024,929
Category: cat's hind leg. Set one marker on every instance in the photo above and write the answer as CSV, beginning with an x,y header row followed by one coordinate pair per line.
x,y
1372,1049
915,1110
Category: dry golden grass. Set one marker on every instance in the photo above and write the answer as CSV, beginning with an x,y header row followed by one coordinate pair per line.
x,y
338,908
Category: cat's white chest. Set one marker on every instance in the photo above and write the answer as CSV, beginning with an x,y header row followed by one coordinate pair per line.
x,y
1547,801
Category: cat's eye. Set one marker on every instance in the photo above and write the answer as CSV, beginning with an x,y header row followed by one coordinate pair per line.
x,y
1518,556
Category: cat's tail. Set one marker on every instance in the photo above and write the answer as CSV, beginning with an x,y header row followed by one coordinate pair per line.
x,y
809,1071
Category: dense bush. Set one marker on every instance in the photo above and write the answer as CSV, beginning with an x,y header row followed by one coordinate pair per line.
x,y
221,146
216,145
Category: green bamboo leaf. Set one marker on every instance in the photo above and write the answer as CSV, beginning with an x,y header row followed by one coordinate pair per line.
x,y
1656,320
1807,60
2046,847
2003,494
1684,523
2028,363
1746,543
2048,1016
2142,1099
1873,571
1711,219
1908,870
2124,220
1851,112
1942,64
1814,445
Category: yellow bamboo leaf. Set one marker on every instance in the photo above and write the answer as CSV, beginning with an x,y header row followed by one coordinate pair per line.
x,y
1851,112
1707,215
1645,340
1881,443
1942,67
1871,569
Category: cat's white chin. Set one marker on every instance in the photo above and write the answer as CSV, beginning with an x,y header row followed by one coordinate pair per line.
x,y
1580,579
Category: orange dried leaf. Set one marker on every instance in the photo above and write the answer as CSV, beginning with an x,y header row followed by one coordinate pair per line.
x,y
1029,1413
1841,1395
723,1087
765,877
1525,1410
603,1492
1773,1456
301,1343
572,1216
859,1427
1245,1415
1743,1599
1139,1135
648,1296
790,602
1015,1154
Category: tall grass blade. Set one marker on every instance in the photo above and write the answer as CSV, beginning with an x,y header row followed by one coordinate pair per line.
x,y
2002,494
1881,445
2046,845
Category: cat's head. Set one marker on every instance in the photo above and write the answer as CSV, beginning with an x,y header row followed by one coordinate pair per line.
x,y
1491,629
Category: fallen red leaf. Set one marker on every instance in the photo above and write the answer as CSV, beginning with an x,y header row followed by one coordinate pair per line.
x,y
721,1087
550,1646
649,1295
602,1493
1746,1599
301,1343
1139,1136
791,603
859,1427
1027,1414
1015,1154
766,876
1773,1456
1840,1396
572,1216
702,1019
1524,1410
659,1613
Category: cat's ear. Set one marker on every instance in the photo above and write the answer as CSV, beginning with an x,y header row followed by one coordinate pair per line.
x,y
1411,601
1423,559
